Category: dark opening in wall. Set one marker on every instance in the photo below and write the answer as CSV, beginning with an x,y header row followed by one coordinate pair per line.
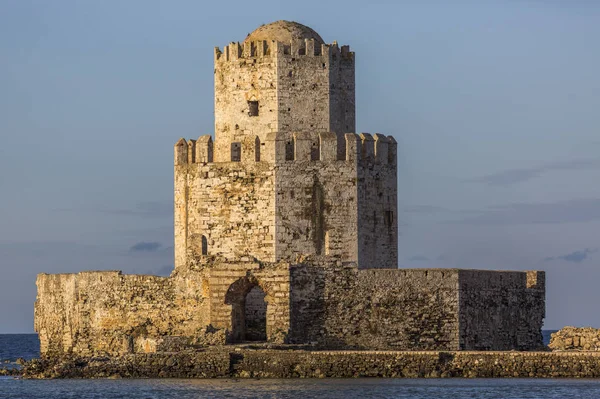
x,y
255,319
248,311
204,246
236,152
257,149
252,108
318,217
374,221
315,151
289,151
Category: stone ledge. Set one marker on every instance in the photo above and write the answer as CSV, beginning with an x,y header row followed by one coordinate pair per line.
x,y
269,363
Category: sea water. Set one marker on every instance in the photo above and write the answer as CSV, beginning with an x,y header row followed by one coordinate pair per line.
x,y
298,388
27,346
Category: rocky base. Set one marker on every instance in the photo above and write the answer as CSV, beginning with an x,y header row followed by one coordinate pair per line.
x,y
313,364
576,339
6,372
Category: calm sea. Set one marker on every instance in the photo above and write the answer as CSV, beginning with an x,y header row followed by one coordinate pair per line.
x,y
26,346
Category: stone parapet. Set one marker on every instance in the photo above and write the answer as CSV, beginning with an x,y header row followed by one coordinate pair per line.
x,y
236,51
290,147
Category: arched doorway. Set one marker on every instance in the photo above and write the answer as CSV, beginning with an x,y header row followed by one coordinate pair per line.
x,y
255,315
248,311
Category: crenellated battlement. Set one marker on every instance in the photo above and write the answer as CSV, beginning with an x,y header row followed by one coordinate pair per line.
x,y
236,51
294,147
284,175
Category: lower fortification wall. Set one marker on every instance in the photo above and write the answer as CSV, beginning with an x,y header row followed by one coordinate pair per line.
x,y
112,313
501,310
343,307
416,309
320,302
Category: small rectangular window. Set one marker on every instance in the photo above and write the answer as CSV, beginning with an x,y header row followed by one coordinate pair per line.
x,y
289,150
236,152
252,108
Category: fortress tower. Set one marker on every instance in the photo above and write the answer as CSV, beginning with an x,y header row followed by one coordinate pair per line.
x,y
286,231
282,78
286,177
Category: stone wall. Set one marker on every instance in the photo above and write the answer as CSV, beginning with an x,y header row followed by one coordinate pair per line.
x,y
228,207
229,286
316,208
283,209
342,94
575,339
434,364
303,89
345,307
419,309
501,310
300,86
239,79
112,313
321,302
327,364
377,203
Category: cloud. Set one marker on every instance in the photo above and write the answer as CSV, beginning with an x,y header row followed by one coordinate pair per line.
x,y
572,211
424,209
145,246
418,258
514,176
433,209
145,209
573,257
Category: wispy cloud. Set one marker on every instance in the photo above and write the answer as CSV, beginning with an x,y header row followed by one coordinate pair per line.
x,y
424,209
145,246
514,176
573,257
572,211
144,209
418,258
148,208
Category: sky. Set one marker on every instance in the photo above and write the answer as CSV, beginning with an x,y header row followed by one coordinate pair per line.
x,y
495,106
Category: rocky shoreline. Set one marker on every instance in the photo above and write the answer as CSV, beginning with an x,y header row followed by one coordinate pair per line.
x,y
265,363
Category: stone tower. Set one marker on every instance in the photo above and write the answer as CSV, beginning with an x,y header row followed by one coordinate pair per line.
x,y
286,177
286,231
282,78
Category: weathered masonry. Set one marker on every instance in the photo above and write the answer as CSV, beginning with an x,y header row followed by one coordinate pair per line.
x,y
286,231
285,176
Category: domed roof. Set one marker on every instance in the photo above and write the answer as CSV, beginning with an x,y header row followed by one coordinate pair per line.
x,y
283,31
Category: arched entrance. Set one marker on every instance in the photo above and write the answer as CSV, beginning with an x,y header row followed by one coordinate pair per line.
x,y
255,315
248,311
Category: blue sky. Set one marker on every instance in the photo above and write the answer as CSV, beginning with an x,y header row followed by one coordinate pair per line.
x,y
495,106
